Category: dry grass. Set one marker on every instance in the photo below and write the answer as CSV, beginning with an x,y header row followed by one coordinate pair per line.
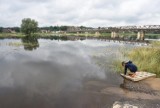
x,y
146,58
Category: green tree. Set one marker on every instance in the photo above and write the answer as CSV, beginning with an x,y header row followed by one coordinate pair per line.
x,y
16,29
56,28
1,29
63,28
29,26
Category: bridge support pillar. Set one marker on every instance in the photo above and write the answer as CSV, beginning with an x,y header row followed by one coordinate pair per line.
x,y
114,34
86,34
97,34
140,35
77,33
64,33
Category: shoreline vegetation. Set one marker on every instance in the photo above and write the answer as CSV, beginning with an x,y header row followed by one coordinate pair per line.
x,y
146,58
131,36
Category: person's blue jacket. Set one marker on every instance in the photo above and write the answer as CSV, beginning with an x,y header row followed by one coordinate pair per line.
x,y
129,65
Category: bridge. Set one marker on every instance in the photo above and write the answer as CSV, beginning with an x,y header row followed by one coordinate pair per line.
x,y
115,31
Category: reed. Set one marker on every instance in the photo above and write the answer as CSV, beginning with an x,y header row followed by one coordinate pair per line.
x,y
146,58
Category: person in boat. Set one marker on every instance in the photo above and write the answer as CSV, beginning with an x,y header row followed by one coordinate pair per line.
x,y
130,66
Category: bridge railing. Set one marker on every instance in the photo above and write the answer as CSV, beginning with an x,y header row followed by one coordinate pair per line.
x,y
152,27
145,27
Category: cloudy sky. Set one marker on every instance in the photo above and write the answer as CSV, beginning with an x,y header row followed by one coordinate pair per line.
x,y
93,13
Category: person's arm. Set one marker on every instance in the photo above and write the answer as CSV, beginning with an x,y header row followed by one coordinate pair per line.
x,y
125,70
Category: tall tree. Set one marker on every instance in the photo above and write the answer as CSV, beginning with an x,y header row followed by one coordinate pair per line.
x,y
29,26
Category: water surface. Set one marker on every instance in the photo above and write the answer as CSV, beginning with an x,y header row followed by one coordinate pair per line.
x,y
63,74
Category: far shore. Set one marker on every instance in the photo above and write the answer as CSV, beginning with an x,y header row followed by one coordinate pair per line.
x,y
82,36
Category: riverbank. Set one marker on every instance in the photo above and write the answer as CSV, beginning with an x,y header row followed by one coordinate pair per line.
x,y
69,37
129,36
11,35
20,35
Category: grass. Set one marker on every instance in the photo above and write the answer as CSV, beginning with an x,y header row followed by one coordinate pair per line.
x,y
146,58
153,36
155,44
20,35
11,35
125,35
89,34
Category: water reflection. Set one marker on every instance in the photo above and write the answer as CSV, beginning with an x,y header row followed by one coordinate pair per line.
x,y
30,43
59,74
49,77
64,38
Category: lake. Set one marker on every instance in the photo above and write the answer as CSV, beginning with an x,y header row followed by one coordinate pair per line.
x,y
61,73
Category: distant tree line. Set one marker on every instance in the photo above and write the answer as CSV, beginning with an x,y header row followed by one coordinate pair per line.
x,y
50,28
60,28
30,26
16,29
1,29
53,28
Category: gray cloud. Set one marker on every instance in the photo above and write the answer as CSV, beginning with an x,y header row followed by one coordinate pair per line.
x,y
80,12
